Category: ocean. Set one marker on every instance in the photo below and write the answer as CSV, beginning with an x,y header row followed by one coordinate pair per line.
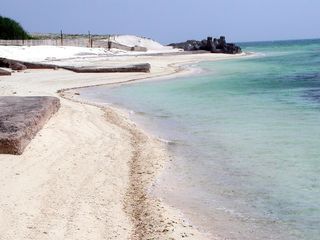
x,y
244,136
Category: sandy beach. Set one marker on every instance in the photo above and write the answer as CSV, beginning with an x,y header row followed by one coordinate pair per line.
x,y
159,120
87,173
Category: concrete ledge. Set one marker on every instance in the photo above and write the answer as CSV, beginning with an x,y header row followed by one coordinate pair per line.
x,y
21,65
4,72
20,120
145,67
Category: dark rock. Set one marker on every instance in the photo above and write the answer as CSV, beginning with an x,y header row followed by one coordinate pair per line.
x,y
4,72
32,65
190,45
20,120
221,42
17,66
21,65
14,65
215,46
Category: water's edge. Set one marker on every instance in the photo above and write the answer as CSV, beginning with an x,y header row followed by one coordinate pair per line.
x,y
243,137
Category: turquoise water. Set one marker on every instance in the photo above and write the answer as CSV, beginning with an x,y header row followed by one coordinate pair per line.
x,y
245,139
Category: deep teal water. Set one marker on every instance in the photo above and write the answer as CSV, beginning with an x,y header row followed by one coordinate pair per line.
x,y
245,138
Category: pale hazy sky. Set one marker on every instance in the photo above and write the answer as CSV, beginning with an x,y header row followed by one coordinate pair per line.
x,y
171,20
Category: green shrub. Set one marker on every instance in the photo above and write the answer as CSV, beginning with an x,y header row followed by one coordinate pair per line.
x,y
11,30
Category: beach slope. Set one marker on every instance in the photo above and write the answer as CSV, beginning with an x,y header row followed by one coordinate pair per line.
x,y
86,174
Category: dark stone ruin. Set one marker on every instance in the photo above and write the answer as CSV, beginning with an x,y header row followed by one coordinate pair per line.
x,y
212,45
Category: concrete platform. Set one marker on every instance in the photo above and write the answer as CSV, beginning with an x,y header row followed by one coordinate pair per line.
x,y
20,120
21,65
144,67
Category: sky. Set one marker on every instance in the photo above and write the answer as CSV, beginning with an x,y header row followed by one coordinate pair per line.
x,y
171,20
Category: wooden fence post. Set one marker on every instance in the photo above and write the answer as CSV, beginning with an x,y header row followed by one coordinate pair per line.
x,y
109,43
90,43
61,38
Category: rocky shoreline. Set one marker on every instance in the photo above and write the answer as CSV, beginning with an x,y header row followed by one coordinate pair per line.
x,y
210,44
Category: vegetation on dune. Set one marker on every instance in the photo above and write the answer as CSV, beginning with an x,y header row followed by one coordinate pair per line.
x,y
11,30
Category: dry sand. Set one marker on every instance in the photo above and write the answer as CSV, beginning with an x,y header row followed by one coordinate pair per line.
x,y
87,173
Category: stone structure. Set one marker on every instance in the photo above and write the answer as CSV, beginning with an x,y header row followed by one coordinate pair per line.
x,y
215,46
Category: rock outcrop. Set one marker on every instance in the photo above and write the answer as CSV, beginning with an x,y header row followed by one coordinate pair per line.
x,y
20,120
213,45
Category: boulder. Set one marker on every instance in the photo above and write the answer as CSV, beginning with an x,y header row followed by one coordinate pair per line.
x,y
210,45
190,45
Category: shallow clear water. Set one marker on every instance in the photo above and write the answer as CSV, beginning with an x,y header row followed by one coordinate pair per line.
x,y
245,139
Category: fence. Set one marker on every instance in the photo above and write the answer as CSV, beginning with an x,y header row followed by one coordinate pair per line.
x,y
75,42
78,42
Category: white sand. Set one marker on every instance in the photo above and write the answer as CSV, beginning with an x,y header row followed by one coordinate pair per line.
x,y
151,45
41,53
49,53
87,173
